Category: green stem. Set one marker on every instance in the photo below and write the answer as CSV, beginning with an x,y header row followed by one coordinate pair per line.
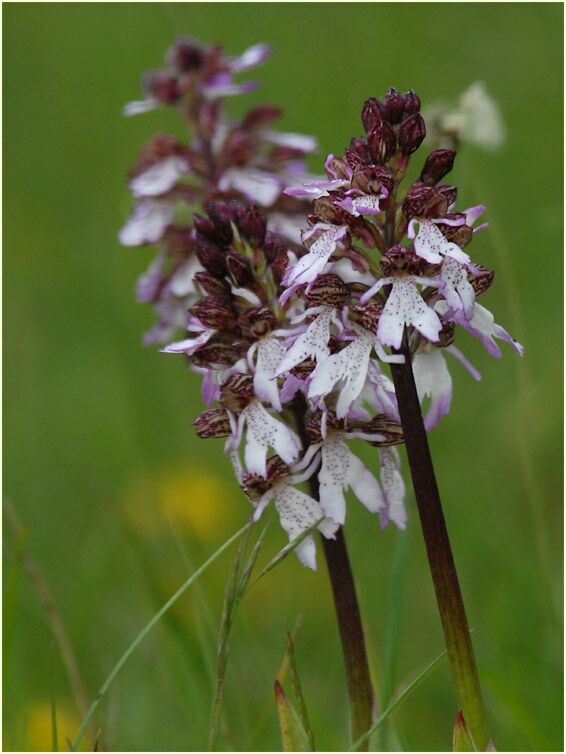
x,y
441,561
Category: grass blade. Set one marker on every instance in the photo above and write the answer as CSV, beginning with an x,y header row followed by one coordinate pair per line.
x,y
293,735
147,628
231,597
402,696
282,554
298,691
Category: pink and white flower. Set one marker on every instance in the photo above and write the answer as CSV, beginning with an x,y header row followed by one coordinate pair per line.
x,y
405,306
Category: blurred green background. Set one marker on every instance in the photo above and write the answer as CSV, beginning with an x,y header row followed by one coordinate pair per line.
x,y
119,499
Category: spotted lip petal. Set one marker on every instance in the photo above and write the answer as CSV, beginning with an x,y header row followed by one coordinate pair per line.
x,y
431,245
349,365
313,342
270,352
309,267
406,306
263,431
341,469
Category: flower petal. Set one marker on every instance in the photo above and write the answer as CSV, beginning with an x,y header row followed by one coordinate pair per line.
x,y
433,380
392,487
148,222
159,178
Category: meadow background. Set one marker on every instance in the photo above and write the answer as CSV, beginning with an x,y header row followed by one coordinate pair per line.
x,y
118,498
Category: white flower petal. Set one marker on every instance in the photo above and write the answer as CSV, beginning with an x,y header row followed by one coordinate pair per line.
x,y
256,185
332,477
301,142
457,290
269,355
159,178
433,381
263,432
148,222
313,342
393,488
431,244
350,365
182,283
140,106
406,306
298,512
364,485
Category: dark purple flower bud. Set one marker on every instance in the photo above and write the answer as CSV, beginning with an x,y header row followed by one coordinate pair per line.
x,y
185,54
253,225
279,266
204,225
215,312
447,334
219,350
381,425
211,285
371,179
481,281
327,211
328,290
382,142
239,268
393,105
372,113
256,322
260,116
213,423
449,193
357,153
461,235
255,486
400,259
304,369
210,256
438,164
163,86
336,168
237,391
412,103
222,215
424,201
411,133
367,315
273,246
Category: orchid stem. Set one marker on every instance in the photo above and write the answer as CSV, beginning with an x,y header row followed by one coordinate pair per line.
x,y
348,615
441,561
352,636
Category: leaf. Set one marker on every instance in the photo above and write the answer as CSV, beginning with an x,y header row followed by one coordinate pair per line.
x,y
293,734
298,691
461,739
282,554
145,631
393,706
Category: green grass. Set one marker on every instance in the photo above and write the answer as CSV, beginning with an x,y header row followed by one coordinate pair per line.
x,y
97,428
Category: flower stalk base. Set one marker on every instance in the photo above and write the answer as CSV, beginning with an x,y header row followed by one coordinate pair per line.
x,y
439,552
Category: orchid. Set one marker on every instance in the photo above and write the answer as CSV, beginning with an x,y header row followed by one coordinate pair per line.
x,y
298,297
